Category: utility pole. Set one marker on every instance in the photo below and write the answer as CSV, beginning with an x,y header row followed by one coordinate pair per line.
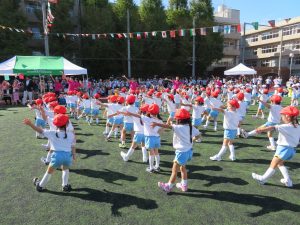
x,y
244,44
280,53
128,46
46,40
194,52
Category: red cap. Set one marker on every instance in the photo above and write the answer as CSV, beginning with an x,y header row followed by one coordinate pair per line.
x,y
132,91
150,93
39,101
234,103
208,93
182,114
199,99
123,89
96,96
218,90
265,91
171,96
78,93
203,89
69,92
236,90
51,99
121,99
60,120
130,99
240,96
276,99
85,96
208,89
280,89
113,98
290,111
137,92
248,90
144,108
51,94
53,104
167,90
158,94
215,94
59,109
153,109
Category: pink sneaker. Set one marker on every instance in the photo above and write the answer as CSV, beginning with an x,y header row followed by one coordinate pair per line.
x,y
164,186
181,186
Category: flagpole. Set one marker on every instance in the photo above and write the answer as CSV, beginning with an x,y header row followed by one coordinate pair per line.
x,y
46,40
280,53
194,52
244,43
128,46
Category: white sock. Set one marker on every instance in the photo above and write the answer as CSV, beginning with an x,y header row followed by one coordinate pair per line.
x,y
116,131
270,172
151,162
252,133
45,179
107,129
171,185
97,120
207,123
222,151
144,151
157,159
91,120
216,124
110,133
129,153
65,177
232,152
48,158
284,173
272,141
239,131
87,118
184,182
123,142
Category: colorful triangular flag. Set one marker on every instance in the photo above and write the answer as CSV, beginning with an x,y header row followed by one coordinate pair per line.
x,y
125,35
119,35
112,35
215,29
182,32
255,25
145,34
173,34
154,33
192,32
164,34
138,36
287,20
203,31
272,23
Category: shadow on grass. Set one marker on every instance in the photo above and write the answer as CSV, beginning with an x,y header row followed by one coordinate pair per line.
x,y
192,168
117,200
82,134
108,176
267,204
90,153
79,141
212,180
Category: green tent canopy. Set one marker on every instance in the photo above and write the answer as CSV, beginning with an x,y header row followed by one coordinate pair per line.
x,y
40,65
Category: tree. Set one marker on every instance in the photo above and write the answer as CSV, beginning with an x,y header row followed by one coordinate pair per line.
x,y
12,43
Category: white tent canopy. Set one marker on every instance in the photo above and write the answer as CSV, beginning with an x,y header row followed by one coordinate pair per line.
x,y
240,69
6,68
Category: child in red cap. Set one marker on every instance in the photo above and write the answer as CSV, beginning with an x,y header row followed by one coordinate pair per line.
x,y
184,135
230,125
263,97
62,143
214,102
171,107
39,121
288,139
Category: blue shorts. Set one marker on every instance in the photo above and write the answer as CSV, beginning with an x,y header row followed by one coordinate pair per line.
x,y
110,120
248,103
95,112
183,157
72,105
68,105
61,158
118,121
285,152
40,123
230,134
139,138
152,142
172,115
80,108
214,113
261,106
197,121
208,110
128,127
87,111
137,104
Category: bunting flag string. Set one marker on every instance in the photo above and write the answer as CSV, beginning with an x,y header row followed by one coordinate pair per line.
x,y
182,32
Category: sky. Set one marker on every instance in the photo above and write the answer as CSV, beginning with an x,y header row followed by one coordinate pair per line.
x,y
259,10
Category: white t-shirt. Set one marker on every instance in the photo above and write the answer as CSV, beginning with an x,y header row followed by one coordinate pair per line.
x,y
148,100
86,103
184,101
274,114
118,107
215,103
137,126
263,97
231,120
60,143
94,104
111,108
170,106
182,138
247,97
38,114
73,99
288,135
132,109
158,101
148,130
177,98
243,108
197,111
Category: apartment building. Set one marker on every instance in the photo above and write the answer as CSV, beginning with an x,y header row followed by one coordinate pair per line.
x,y
262,48
231,48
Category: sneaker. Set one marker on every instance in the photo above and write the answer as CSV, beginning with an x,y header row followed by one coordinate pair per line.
x,y
215,158
150,170
198,140
123,155
67,188
45,147
271,148
164,186
44,160
244,133
36,182
232,158
181,186
288,183
122,145
108,139
257,178
157,169
254,116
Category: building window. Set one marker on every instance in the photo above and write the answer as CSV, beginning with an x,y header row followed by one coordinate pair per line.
x,y
269,35
296,60
251,63
268,63
290,30
252,39
269,49
295,45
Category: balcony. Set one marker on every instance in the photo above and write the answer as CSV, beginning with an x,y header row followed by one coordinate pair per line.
x,y
231,51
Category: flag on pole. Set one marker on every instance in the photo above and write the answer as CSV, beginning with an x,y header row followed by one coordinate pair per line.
x,y
173,34
93,36
272,23
215,29
138,36
182,32
154,33
112,35
164,34
192,32
239,28
255,25
227,29
120,35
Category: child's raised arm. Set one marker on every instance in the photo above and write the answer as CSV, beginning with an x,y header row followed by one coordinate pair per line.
x,y
265,104
163,125
264,129
218,109
27,122
127,113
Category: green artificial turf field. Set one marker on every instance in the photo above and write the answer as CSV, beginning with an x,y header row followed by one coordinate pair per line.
x,y
107,190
